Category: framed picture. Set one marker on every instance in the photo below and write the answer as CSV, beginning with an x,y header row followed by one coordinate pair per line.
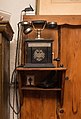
x,y
65,1
58,7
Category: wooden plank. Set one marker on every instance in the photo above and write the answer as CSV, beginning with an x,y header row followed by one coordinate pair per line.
x,y
71,58
6,29
60,19
37,105
4,68
0,75
24,69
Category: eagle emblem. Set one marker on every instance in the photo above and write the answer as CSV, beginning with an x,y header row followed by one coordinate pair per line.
x,y
39,55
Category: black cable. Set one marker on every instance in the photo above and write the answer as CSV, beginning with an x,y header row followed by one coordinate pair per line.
x,y
14,85
14,82
17,48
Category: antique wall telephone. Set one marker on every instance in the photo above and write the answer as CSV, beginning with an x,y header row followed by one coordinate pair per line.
x,y
38,54
38,51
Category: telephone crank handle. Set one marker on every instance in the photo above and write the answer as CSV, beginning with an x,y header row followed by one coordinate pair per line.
x,y
56,59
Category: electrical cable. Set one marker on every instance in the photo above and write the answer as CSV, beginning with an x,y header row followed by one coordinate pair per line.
x,y
14,86
14,83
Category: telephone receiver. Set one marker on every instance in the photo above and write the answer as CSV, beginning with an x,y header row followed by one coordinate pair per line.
x,y
27,27
38,26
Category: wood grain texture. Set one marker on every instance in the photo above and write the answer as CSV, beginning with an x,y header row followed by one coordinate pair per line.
x,y
71,58
5,38
60,19
39,107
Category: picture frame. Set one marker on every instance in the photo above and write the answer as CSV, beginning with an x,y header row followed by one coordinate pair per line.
x,y
65,1
58,7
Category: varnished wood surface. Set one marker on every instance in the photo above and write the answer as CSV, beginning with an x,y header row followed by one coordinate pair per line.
x,y
27,69
6,29
5,38
41,89
60,19
70,57
38,104
4,76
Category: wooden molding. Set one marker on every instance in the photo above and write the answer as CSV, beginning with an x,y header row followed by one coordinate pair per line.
x,y
6,29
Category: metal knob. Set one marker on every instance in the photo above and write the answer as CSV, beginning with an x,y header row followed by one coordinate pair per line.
x,y
57,59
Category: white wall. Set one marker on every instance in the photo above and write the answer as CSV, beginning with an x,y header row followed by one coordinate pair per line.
x,y
14,7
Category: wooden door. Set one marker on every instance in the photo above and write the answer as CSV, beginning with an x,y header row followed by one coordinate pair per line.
x,y
71,58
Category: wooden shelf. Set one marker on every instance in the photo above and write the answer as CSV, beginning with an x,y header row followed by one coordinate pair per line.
x,y
26,69
46,89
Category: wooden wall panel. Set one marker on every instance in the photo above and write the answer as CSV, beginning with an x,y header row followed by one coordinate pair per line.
x,y
71,58
38,105
5,37
0,74
60,19
70,55
41,104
